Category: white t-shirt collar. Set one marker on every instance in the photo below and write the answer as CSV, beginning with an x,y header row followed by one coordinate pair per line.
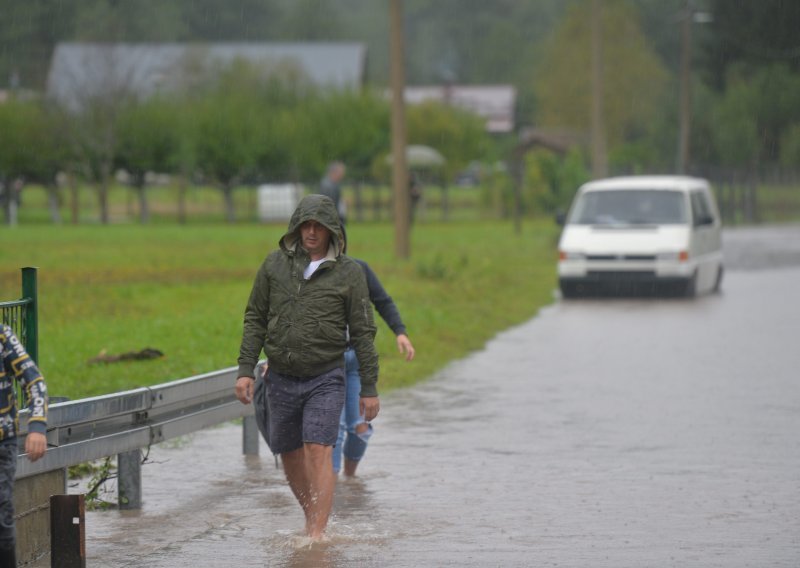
x,y
312,267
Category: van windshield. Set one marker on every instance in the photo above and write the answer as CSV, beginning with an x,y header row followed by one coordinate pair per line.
x,y
630,207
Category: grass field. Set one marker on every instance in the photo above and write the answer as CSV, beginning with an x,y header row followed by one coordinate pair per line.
x,y
182,290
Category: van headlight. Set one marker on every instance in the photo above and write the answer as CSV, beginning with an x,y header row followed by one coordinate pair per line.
x,y
676,256
570,255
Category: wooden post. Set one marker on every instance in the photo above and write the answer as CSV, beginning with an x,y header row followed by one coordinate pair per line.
x,y
67,531
599,155
402,239
686,89
359,202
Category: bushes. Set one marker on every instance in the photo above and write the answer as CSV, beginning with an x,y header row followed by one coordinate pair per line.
x,y
240,128
551,180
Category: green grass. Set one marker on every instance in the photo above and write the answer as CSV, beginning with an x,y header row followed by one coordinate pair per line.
x,y
778,203
204,205
182,289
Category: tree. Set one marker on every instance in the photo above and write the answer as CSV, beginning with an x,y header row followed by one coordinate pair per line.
x,y
635,81
751,35
120,21
347,126
241,20
458,135
150,138
32,153
225,135
28,32
474,41
755,114
94,141
551,180
790,147
311,20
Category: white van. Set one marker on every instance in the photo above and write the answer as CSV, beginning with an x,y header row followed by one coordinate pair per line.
x,y
641,233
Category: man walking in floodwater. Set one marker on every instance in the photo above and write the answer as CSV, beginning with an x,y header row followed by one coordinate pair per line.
x,y
305,298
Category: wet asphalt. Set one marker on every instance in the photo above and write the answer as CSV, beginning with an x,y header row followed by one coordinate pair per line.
x,y
614,432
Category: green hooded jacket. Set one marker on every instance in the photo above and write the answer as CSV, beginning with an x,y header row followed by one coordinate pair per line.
x,y
302,325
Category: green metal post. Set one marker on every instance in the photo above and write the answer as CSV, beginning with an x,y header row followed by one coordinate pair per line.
x,y
29,292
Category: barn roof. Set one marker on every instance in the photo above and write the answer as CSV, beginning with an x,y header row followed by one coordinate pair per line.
x,y
494,103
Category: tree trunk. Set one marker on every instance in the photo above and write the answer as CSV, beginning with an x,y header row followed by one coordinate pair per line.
x,y
5,197
230,210
102,192
54,203
445,201
74,198
11,195
141,195
182,200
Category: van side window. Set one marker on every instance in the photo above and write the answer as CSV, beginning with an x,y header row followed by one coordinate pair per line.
x,y
701,211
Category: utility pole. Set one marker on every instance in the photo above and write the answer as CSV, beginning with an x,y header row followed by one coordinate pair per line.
x,y
599,155
402,218
686,89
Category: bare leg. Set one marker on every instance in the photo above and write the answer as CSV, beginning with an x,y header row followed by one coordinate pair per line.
x,y
295,469
322,482
351,465
312,481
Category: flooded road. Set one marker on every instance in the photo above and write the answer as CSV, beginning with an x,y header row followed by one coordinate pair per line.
x,y
603,433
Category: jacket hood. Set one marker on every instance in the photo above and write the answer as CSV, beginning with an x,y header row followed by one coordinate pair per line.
x,y
321,209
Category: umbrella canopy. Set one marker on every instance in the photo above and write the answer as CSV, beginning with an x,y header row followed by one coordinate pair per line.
x,y
418,156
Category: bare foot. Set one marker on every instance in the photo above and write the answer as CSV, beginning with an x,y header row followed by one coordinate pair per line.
x,y
350,467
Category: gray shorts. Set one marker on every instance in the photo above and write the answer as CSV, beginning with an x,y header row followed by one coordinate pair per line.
x,y
304,409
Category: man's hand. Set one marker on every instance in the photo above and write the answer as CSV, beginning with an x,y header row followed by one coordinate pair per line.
x,y
244,389
35,445
369,407
404,346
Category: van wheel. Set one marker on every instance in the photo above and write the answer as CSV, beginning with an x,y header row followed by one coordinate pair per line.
x,y
691,287
718,281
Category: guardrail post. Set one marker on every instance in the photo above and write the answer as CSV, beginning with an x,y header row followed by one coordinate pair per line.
x,y
29,290
129,480
250,436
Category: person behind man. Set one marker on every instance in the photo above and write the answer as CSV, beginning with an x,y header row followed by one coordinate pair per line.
x,y
354,430
331,186
17,366
305,298
414,193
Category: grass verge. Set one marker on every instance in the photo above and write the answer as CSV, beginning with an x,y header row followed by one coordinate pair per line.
x,y
182,290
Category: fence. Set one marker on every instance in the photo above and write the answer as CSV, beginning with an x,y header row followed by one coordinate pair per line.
x,y
767,195
437,203
367,203
22,315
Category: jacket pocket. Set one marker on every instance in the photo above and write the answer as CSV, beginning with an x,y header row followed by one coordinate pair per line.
x,y
330,334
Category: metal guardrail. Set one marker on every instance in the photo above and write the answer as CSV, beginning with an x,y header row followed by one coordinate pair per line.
x,y
93,428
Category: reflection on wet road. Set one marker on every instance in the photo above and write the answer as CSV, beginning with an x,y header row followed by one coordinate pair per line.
x,y
618,433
